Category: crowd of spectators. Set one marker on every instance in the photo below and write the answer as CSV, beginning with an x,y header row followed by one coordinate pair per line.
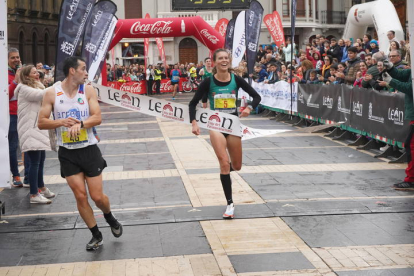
x,y
333,61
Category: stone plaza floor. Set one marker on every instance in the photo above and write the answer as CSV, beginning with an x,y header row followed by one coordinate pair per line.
x,y
305,205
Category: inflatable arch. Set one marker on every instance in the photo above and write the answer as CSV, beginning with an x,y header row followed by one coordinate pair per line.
x,y
381,14
168,27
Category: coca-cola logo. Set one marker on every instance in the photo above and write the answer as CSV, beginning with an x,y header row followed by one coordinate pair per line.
x,y
159,27
213,39
135,88
222,28
164,87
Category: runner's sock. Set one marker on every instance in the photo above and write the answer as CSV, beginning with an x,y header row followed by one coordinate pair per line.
x,y
111,220
95,232
226,182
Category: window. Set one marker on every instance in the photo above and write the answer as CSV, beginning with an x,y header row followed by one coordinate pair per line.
x,y
34,48
286,8
133,9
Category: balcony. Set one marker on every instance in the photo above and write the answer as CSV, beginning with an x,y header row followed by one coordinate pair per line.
x,y
333,17
210,17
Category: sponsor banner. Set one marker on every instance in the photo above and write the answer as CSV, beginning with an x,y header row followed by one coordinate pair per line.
x,y
207,119
4,100
253,25
72,20
160,46
221,26
309,100
359,109
140,87
228,44
329,103
344,103
275,27
99,31
239,39
276,95
146,47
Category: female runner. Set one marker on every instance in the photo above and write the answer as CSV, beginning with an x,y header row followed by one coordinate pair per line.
x,y
221,90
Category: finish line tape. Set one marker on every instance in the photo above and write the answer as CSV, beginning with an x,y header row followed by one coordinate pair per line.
x,y
206,119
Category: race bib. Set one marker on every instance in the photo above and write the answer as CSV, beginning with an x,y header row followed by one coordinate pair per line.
x,y
82,137
225,103
175,78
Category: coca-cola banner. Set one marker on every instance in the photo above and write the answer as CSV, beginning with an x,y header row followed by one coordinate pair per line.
x,y
140,87
229,35
253,25
239,39
275,27
221,26
98,34
146,47
207,119
160,46
169,27
72,20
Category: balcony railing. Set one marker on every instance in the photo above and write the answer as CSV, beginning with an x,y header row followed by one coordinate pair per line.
x,y
210,17
333,17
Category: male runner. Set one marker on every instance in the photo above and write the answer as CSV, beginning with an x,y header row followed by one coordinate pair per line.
x,y
76,111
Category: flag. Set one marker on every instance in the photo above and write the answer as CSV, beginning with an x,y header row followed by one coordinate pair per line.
x,y
239,39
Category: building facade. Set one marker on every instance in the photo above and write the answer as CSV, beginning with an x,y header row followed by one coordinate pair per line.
x,y
325,17
32,27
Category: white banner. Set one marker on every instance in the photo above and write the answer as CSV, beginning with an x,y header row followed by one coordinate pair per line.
x,y
239,39
276,95
4,99
207,119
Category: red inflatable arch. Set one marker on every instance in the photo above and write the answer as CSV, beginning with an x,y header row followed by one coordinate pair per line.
x,y
167,27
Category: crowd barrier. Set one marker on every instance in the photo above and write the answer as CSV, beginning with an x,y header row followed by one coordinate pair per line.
x,y
140,87
379,115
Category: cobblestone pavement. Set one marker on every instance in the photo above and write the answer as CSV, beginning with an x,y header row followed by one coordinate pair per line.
x,y
305,205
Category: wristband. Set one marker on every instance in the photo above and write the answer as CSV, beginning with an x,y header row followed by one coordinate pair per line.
x,y
15,82
81,124
251,107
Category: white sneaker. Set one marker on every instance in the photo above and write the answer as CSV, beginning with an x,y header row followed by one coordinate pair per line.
x,y
39,199
229,214
47,193
26,185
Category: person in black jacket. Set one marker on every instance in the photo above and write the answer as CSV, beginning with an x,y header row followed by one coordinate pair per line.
x,y
272,74
335,50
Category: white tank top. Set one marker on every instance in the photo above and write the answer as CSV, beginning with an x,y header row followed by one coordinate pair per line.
x,y
77,108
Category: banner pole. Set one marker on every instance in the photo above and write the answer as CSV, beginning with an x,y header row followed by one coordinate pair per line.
x,y
292,41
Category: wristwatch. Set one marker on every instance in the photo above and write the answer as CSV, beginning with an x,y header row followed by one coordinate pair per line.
x,y
81,124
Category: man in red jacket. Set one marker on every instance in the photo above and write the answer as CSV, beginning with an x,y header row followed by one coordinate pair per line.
x,y
14,64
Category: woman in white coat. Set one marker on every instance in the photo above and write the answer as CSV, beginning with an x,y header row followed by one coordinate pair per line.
x,y
33,140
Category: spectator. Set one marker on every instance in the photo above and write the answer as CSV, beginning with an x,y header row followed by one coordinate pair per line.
x,y
367,43
325,69
260,54
302,57
157,78
307,68
360,51
272,75
378,82
313,79
39,66
133,76
109,73
314,56
372,74
149,75
261,73
283,72
395,58
361,74
368,60
348,44
332,71
339,73
394,46
353,66
13,137
288,50
401,80
335,50
391,37
374,46
34,141
127,77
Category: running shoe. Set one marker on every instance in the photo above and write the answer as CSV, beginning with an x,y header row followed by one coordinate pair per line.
x,y
116,227
47,193
173,98
17,182
229,214
94,243
39,199
404,186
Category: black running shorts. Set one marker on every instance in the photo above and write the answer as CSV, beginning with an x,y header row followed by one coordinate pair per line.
x,y
88,160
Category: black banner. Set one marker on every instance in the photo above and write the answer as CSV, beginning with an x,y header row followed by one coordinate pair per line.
x,y
254,18
98,34
367,110
228,44
72,20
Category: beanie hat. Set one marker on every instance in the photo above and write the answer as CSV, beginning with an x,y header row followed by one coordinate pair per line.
x,y
374,41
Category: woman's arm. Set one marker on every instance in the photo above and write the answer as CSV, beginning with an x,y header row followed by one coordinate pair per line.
x,y
249,90
202,93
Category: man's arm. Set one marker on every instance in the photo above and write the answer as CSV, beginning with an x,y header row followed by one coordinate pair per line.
x,y
95,117
44,121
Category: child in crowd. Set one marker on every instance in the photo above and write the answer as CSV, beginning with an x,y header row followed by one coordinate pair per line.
x,y
261,73
313,79
374,46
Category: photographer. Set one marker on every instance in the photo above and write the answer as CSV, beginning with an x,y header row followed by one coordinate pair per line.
x,y
400,79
